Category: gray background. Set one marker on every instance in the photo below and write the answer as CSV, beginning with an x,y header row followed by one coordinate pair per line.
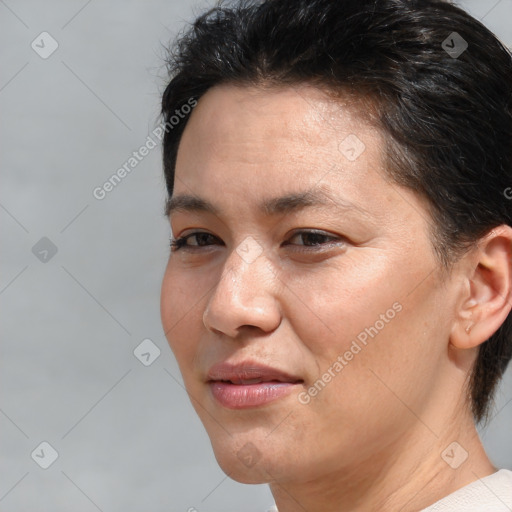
x,y
126,435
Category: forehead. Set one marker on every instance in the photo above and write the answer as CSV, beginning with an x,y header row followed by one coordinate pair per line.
x,y
300,114
279,136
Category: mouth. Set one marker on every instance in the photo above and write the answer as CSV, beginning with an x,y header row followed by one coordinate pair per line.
x,y
249,384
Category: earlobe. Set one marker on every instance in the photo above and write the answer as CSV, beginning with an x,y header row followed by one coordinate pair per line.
x,y
488,294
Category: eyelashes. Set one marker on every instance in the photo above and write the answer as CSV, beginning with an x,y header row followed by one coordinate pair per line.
x,y
313,241
179,243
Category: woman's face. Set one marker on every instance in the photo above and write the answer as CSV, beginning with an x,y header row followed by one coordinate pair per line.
x,y
311,334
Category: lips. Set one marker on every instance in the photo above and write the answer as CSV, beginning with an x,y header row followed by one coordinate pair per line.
x,y
249,384
249,373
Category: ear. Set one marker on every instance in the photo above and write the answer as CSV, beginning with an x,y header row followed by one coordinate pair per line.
x,y
487,297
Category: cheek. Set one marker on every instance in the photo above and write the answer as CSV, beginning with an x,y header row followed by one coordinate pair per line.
x,y
181,310
363,320
332,306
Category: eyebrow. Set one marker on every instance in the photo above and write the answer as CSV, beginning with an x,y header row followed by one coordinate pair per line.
x,y
269,207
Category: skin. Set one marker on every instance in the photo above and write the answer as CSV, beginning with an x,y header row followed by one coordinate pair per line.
x,y
372,438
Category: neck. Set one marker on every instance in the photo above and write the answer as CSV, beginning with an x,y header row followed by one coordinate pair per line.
x,y
410,474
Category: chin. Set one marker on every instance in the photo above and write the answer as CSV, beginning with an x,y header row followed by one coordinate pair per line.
x,y
250,458
243,462
243,447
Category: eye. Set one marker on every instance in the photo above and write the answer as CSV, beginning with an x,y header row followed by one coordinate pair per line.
x,y
302,240
313,238
201,239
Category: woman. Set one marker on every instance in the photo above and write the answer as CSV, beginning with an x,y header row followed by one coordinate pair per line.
x,y
339,287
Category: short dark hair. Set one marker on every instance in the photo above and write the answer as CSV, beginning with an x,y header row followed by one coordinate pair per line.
x,y
445,110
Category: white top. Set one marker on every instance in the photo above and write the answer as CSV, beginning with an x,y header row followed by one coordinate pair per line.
x,y
492,493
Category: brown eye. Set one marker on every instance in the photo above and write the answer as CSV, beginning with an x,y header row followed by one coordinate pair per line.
x,y
311,239
199,239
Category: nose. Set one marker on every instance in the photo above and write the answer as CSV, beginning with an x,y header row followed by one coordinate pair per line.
x,y
244,297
